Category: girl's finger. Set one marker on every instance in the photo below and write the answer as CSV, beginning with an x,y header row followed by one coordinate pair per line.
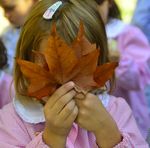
x,y
71,118
60,92
67,110
63,101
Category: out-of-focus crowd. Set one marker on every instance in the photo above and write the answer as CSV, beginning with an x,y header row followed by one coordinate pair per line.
x,y
3,20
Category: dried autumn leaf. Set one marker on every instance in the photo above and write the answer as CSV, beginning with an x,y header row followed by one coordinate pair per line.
x,y
41,82
39,59
60,58
104,72
81,45
76,62
87,66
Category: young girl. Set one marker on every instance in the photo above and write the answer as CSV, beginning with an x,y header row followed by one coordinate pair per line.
x,y
5,79
66,120
130,47
16,12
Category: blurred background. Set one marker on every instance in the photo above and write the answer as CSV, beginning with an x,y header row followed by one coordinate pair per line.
x,y
3,21
126,7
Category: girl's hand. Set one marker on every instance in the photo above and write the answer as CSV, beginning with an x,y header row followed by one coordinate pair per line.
x,y
60,112
93,117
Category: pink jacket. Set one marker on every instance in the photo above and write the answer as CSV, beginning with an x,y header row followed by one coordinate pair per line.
x,y
6,89
16,133
133,72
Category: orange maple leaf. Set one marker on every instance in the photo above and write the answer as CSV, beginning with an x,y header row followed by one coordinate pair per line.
x,y
60,63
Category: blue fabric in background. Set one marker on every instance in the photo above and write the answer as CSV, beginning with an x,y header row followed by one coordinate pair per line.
x,y
141,17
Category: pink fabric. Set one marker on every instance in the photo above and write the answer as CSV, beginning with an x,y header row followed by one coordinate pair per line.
x,y
6,89
133,73
15,133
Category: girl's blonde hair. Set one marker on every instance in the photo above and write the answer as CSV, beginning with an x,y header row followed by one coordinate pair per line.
x,y
67,19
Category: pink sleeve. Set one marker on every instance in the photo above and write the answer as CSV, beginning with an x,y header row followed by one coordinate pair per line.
x,y
37,142
126,123
7,89
133,71
14,133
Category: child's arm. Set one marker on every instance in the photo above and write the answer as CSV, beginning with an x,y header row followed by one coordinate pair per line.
x,y
113,128
122,114
15,133
60,113
94,117
133,71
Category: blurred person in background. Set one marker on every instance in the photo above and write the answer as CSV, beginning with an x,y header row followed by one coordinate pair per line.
x,y
7,90
16,12
141,17
128,46
3,56
3,21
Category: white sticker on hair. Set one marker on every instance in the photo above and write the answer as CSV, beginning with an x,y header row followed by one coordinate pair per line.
x,y
51,10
